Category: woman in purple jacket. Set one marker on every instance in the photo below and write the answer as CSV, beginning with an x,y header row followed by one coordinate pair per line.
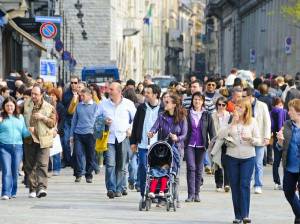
x,y
172,125
278,117
200,127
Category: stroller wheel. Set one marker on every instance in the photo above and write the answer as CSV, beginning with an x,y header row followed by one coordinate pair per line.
x,y
148,204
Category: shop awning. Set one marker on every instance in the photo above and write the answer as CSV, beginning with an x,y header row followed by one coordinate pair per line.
x,y
26,35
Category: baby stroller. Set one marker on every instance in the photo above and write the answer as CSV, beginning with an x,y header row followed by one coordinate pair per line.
x,y
160,153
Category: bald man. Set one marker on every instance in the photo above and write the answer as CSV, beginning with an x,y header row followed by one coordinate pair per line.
x,y
119,113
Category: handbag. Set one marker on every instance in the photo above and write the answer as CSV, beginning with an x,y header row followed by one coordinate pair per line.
x,y
102,143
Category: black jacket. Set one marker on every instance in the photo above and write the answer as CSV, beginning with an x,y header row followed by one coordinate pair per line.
x,y
138,123
207,128
291,94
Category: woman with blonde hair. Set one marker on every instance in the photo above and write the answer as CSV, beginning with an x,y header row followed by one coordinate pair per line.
x,y
240,155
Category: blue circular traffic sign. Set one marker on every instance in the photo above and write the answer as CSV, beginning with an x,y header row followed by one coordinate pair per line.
x,y
48,30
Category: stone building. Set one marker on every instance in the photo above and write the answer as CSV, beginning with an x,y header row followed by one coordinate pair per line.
x,y
254,35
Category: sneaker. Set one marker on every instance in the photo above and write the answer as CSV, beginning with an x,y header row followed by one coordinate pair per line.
x,y
124,192
277,187
32,194
89,180
207,170
110,194
78,179
237,221
197,198
189,199
151,195
246,220
118,194
257,190
138,189
161,194
14,196
41,193
56,173
227,188
219,189
5,197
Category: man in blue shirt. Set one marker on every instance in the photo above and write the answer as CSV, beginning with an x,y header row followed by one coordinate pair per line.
x,y
81,133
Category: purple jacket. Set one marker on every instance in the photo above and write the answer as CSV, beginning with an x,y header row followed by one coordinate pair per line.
x,y
165,125
278,117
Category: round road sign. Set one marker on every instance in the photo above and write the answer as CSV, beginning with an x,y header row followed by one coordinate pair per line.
x,y
48,30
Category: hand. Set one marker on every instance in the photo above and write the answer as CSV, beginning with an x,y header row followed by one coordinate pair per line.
x,y
108,121
128,132
39,116
71,140
133,148
280,137
173,137
1,119
31,129
150,134
266,141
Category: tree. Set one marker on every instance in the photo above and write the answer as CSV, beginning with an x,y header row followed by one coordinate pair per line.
x,y
292,11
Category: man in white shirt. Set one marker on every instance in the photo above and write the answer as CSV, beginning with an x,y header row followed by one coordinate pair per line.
x,y
119,114
230,79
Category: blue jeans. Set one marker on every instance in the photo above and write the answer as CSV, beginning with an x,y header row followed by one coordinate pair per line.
x,y
132,168
240,172
66,144
115,166
276,163
84,147
142,169
56,163
290,181
207,161
10,157
259,158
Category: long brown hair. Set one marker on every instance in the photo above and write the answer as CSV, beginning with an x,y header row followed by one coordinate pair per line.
x,y
246,105
179,111
4,113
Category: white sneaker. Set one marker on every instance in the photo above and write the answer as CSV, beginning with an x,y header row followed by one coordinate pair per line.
x,y
41,193
277,187
151,195
257,190
161,194
4,197
32,195
219,189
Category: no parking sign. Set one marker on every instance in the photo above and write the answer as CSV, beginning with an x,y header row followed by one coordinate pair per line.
x,y
48,30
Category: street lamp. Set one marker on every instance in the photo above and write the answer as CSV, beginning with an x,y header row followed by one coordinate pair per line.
x,y
78,5
84,35
80,15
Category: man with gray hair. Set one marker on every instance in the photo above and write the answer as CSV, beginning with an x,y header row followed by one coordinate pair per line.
x,y
119,114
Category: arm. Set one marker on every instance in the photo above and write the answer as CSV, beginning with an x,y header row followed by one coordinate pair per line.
x,y
255,140
73,124
73,105
51,120
25,131
267,122
156,125
183,133
62,116
136,119
211,127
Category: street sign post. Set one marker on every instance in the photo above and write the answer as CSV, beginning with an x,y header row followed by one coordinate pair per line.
x,y
48,30
48,19
48,69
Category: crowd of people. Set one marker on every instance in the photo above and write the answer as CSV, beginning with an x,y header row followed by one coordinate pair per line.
x,y
230,127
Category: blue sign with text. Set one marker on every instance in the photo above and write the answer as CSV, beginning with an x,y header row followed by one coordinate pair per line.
x,y
47,19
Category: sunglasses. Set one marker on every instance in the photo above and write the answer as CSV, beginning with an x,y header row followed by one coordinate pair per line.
x,y
211,84
74,82
222,104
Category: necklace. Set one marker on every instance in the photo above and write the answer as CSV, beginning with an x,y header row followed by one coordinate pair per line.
x,y
240,130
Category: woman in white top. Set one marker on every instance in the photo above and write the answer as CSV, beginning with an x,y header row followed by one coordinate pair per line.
x,y
221,119
240,158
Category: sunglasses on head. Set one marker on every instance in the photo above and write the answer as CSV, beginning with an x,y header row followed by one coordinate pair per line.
x,y
74,82
222,104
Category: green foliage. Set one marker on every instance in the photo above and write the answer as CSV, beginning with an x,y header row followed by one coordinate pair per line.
x,y
292,11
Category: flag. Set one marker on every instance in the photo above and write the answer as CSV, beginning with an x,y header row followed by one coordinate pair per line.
x,y
148,18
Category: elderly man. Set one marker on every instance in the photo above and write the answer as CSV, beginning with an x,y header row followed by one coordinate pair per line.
x,y
119,114
40,118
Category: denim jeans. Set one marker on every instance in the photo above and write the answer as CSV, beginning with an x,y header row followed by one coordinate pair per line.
x,y
66,144
290,181
276,163
56,163
84,147
240,172
258,173
207,161
132,168
10,157
115,166
142,169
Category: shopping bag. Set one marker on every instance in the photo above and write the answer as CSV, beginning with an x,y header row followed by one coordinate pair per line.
x,y
102,143
56,148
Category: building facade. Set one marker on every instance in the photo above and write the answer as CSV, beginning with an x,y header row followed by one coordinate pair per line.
x,y
254,35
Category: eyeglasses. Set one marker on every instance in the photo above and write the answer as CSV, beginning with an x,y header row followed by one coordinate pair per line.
x,y
74,82
222,104
211,84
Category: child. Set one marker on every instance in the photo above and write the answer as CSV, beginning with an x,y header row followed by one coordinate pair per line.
x,y
278,117
158,174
